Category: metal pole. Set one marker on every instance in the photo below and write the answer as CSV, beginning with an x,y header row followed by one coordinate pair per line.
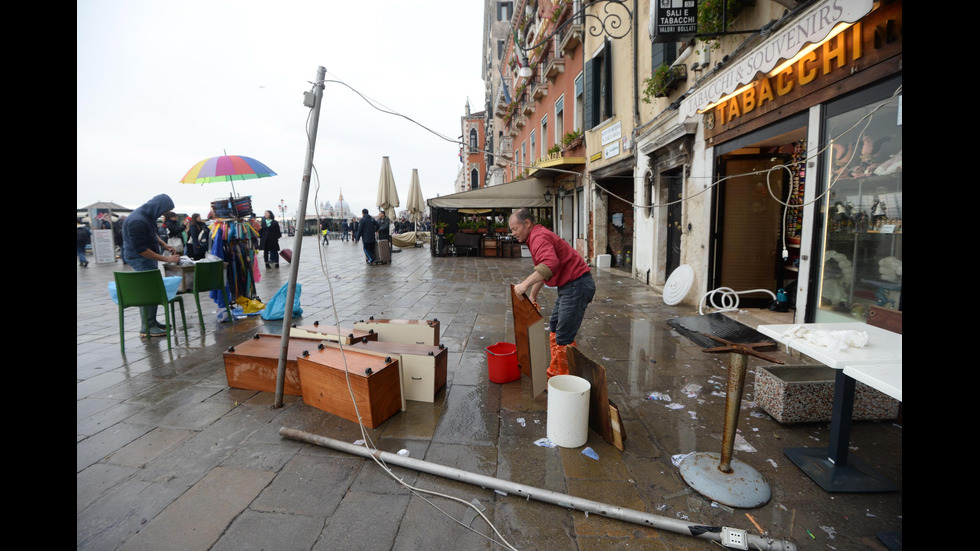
x,y
733,401
637,517
298,241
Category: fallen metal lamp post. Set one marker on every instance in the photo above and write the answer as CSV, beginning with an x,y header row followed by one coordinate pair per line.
x,y
713,533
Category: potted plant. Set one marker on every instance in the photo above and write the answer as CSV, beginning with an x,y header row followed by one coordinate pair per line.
x,y
441,227
572,139
664,79
710,14
710,18
555,149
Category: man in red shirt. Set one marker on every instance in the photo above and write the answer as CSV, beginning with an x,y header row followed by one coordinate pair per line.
x,y
556,264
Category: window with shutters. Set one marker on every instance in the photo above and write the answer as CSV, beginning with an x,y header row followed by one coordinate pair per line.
x,y
559,119
664,53
598,87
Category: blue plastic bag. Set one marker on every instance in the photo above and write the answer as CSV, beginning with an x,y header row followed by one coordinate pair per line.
x,y
275,309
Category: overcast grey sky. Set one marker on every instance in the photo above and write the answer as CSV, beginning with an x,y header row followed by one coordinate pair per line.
x,y
164,85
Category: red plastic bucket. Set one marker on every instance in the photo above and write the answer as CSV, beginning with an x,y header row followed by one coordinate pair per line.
x,y
502,362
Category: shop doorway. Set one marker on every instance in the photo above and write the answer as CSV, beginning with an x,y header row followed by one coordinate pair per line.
x,y
750,223
619,222
566,216
674,181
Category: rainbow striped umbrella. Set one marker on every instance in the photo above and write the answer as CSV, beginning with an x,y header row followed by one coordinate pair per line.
x,y
226,168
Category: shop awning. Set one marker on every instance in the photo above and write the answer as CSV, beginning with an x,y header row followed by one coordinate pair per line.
x,y
528,192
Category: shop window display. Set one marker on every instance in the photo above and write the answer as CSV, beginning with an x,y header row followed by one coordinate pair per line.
x,y
862,255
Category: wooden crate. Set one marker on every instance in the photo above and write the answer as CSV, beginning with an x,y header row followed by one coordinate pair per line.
x,y
373,380
490,247
423,368
254,364
345,335
185,272
402,331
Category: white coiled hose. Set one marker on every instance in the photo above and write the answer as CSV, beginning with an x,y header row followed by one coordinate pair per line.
x,y
729,298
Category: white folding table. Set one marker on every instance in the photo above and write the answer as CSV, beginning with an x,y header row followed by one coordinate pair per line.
x,y
880,361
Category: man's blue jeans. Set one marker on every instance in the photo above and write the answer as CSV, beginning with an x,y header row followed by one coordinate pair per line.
x,y
369,250
569,310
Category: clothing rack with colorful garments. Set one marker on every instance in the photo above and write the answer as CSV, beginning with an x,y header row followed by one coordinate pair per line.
x,y
233,241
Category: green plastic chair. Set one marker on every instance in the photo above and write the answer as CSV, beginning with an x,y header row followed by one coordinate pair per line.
x,y
209,276
145,289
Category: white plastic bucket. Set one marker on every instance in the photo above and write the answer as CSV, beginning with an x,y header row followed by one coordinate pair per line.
x,y
568,410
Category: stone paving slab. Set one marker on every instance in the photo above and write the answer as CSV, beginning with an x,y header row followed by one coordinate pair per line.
x,y
198,517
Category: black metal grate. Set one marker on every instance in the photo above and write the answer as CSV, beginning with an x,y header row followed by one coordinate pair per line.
x,y
719,325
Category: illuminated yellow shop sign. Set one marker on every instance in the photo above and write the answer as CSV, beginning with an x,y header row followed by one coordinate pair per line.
x,y
840,50
814,26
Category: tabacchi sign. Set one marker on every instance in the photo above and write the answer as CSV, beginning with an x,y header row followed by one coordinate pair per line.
x,y
674,18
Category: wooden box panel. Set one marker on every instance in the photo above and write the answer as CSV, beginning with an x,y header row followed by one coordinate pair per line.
x,y
324,382
253,365
402,331
345,335
423,368
186,272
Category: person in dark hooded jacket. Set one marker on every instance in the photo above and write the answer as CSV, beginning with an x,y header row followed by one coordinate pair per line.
x,y
143,248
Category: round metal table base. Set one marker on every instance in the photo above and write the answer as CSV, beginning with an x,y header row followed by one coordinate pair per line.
x,y
744,487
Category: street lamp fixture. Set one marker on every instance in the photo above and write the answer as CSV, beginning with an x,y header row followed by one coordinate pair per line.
x,y
608,21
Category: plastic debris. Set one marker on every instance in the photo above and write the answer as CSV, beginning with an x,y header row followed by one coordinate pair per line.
x,y
722,507
501,492
521,421
773,463
693,414
742,444
545,443
660,396
691,389
358,442
830,531
682,492
676,459
589,452
471,513
675,406
403,452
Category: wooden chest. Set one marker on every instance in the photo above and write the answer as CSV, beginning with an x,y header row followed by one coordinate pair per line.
x,y
490,247
402,331
423,368
253,365
345,335
374,382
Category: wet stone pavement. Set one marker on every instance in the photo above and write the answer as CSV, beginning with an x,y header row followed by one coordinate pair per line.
x,y
169,457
